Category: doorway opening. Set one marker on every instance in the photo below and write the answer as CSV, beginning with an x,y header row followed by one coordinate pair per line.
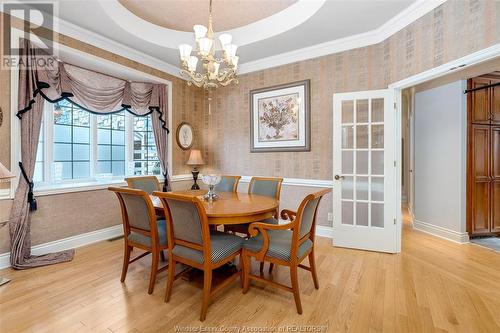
x,y
450,153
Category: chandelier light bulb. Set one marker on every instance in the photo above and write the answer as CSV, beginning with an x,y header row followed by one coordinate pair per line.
x,y
192,63
225,39
185,51
205,44
199,31
234,61
230,50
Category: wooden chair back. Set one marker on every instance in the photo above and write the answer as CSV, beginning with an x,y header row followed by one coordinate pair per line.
x,y
148,184
228,184
138,212
187,222
305,220
267,186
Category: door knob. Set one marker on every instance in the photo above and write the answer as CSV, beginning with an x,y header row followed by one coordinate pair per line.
x,y
337,177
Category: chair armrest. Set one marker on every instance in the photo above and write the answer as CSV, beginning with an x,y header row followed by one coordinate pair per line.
x,y
287,214
257,227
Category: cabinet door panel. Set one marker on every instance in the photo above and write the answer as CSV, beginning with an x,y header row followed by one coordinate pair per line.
x,y
495,104
480,101
481,208
495,153
495,206
481,152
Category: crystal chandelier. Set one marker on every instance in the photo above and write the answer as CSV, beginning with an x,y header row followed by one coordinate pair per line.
x,y
215,71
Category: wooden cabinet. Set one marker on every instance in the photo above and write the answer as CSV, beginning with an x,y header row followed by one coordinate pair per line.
x,y
495,104
479,101
483,203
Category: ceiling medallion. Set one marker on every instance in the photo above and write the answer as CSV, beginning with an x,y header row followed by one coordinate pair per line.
x,y
215,71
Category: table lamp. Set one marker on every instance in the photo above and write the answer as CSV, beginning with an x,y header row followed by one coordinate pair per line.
x,y
5,176
195,159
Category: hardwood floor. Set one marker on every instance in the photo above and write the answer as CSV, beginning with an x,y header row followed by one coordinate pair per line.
x,y
432,286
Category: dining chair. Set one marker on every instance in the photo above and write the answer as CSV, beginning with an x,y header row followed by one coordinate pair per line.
x,y
228,184
141,230
148,184
193,244
286,244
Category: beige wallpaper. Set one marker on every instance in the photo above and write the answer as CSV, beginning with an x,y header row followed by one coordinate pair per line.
x,y
452,30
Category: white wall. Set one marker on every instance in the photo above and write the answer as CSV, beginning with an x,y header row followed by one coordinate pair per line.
x,y
440,161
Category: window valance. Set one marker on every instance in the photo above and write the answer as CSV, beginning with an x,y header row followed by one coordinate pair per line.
x,y
40,73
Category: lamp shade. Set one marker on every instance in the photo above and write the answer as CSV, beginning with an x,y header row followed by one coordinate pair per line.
x,y
5,174
195,158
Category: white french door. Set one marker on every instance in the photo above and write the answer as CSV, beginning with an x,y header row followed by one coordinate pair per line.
x,y
364,192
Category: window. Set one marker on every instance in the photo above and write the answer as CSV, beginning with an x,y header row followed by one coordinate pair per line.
x,y
71,142
111,144
145,157
78,146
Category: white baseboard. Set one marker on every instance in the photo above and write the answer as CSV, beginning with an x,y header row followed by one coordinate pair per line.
x,y
445,233
324,231
69,243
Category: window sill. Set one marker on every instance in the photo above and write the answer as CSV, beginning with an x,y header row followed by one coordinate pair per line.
x,y
54,189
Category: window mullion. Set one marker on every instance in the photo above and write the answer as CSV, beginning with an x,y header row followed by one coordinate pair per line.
x,y
129,144
93,146
49,142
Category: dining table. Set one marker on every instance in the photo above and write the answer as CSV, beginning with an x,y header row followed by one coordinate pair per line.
x,y
230,207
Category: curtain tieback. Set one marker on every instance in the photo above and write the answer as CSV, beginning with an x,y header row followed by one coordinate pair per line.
x,y
31,196
165,182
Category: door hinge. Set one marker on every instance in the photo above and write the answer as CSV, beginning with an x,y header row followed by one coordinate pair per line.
x,y
395,106
394,163
394,221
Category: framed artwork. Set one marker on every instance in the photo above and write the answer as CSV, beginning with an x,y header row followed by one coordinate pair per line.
x,y
185,136
280,118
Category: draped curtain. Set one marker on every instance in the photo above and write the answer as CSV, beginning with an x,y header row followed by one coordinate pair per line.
x,y
43,78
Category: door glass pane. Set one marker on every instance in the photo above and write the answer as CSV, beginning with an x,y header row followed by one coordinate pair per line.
x,y
362,162
377,189
362,213
362,111
347,188
347,111
347,162
377,110
377,218
347,137
377,136
377,162
362,136
347,212
361,188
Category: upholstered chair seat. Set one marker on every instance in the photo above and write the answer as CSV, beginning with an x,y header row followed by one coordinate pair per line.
x,y
146,240
222,245
280,244
190,242
284,244
141,230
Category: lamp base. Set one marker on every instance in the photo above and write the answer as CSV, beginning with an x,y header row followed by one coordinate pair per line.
x,y
195,173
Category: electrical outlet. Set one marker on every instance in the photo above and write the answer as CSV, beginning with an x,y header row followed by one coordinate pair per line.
x,y
330,217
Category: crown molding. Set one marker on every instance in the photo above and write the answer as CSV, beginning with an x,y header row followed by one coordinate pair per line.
x,y
398,22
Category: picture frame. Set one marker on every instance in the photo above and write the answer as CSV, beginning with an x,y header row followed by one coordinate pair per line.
x,y
184,136
280,119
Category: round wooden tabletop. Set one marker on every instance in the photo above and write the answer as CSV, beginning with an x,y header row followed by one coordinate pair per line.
x,y
231,208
